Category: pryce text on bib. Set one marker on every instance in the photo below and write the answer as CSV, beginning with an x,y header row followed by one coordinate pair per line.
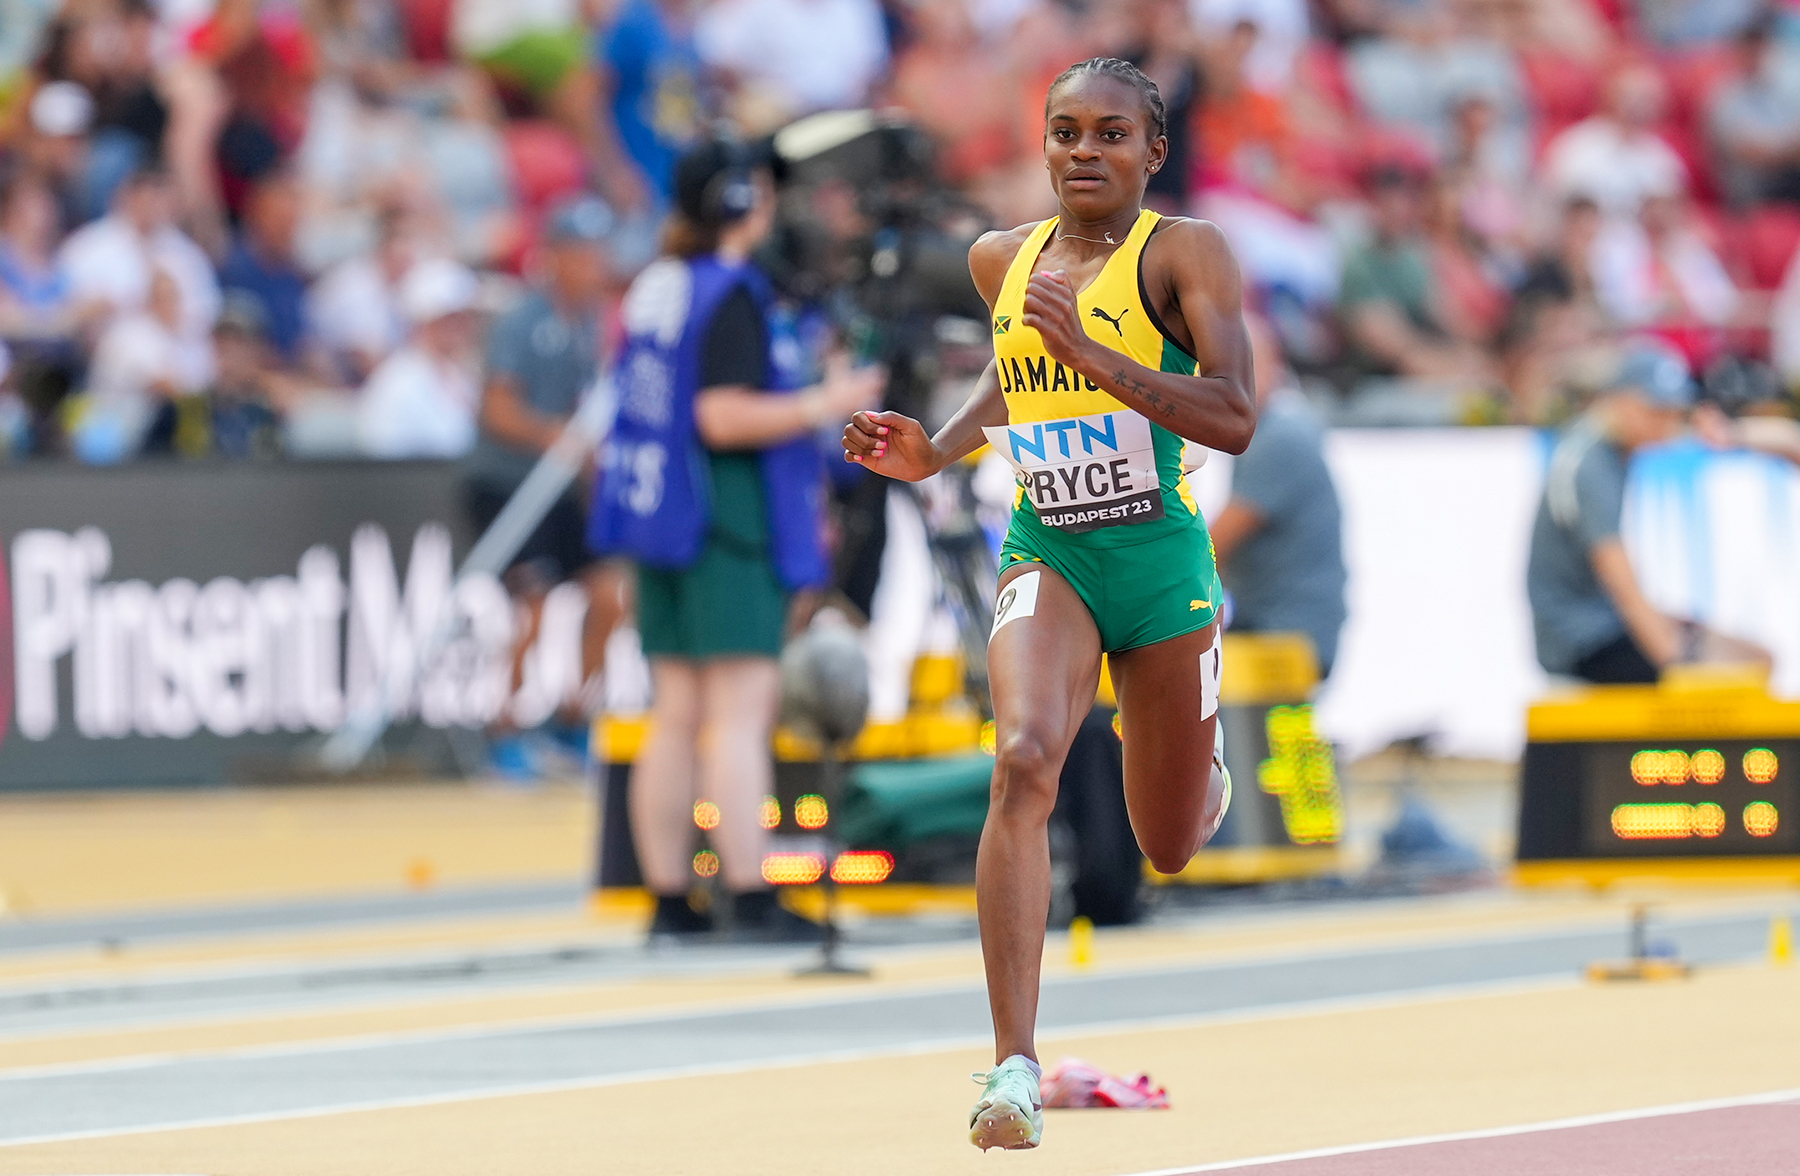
x,y
1083,473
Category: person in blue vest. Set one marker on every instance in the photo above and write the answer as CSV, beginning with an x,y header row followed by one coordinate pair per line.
x,y
712,482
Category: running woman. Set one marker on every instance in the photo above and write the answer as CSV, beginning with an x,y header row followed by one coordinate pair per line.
x,y
1118,333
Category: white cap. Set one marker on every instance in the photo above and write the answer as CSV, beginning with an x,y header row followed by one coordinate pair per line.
x,y
62,109
438,287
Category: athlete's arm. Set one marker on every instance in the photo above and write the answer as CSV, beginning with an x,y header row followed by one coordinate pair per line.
x,y
735,417
1216,408
897,445
1659,636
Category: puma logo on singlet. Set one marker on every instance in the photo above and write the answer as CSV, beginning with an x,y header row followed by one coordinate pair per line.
x,y
1101,314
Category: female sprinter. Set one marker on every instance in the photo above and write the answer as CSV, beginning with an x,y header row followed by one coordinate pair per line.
x,y
1117,334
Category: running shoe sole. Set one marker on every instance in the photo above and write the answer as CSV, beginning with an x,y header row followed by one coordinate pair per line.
x,y
1003,1125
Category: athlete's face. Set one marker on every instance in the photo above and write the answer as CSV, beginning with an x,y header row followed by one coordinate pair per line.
x,y
1099,145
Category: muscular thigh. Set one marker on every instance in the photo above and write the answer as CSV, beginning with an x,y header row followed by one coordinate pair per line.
x,y
1168,745
1043,658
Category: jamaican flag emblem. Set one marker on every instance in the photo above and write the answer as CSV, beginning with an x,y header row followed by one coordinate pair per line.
x,y
1002,323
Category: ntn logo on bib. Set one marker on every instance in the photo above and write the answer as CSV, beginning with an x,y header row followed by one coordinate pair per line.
x,y
1082,473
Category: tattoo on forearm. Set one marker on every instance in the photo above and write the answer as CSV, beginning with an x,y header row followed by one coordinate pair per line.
x,y
1143,392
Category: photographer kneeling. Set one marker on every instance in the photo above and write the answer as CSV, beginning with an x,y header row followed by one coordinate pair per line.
x,y
712,483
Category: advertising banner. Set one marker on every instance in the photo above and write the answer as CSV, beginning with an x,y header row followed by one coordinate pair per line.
x,y
175,624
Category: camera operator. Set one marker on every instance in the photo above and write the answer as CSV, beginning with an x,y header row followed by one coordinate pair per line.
x,y
713,483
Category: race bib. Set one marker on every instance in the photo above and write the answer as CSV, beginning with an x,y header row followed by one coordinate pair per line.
x,y
1086,472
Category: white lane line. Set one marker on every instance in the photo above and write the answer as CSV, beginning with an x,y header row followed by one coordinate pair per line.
x,y
1203,960
940,1045
1687,1108
893,990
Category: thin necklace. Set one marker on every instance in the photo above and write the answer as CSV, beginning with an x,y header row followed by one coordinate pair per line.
x,y
1062,236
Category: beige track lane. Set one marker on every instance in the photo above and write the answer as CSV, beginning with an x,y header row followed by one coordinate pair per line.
x,y
1117,951
91,852
1246,1088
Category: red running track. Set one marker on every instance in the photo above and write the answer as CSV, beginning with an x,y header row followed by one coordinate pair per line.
x,y
1752,1140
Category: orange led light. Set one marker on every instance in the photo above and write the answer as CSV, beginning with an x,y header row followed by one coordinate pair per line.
x,y
1709,820
1760,765
990,739
769,815
1646,767
860,867
793,869
706,863
810,811
1761,819
1708,767
706,814
1653,822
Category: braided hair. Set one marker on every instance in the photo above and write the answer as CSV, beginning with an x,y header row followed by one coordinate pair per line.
x,y
1124,71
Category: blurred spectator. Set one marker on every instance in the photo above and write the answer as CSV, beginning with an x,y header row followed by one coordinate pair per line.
x,y
263,263
958,90
1415,80
653,77
1392,307
235,416
1592,618
1281,27
721,550
1616,158
539,49
1564,270
35,298
442,157
1243,132
131,115
783,58
111,260
1470,299
542,358
421,401
144,361
1279,539
353,313
1554,319
1661,273
56,147
1754,121
1156,36
1490,171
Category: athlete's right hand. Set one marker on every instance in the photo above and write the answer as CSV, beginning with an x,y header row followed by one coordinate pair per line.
x,y
890,444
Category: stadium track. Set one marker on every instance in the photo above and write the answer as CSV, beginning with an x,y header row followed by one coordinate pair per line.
x,y
237,982
467,1034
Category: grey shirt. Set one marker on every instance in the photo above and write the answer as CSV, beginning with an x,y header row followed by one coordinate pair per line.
x,y
1288,574
551,361
1584,495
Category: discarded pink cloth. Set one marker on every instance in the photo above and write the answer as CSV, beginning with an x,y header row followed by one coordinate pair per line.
x,y
1075,1083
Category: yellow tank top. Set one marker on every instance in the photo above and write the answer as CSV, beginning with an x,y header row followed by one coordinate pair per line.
x,y
1087,464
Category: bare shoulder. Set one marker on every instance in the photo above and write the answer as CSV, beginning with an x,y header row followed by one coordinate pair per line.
x,y
1190,253
992,255
1179,239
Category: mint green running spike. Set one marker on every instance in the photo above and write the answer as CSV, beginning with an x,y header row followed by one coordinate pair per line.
x,y
1011,1111
1225,801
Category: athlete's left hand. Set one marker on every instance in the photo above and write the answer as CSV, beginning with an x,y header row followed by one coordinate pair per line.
x,y
1052,310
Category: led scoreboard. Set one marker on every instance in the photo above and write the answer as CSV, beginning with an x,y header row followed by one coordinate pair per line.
x,y
1629,781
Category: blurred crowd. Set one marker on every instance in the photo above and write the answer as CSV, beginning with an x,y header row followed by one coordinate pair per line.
x,y
248,228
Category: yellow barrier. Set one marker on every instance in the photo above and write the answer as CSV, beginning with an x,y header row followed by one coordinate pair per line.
x,y
1686,708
